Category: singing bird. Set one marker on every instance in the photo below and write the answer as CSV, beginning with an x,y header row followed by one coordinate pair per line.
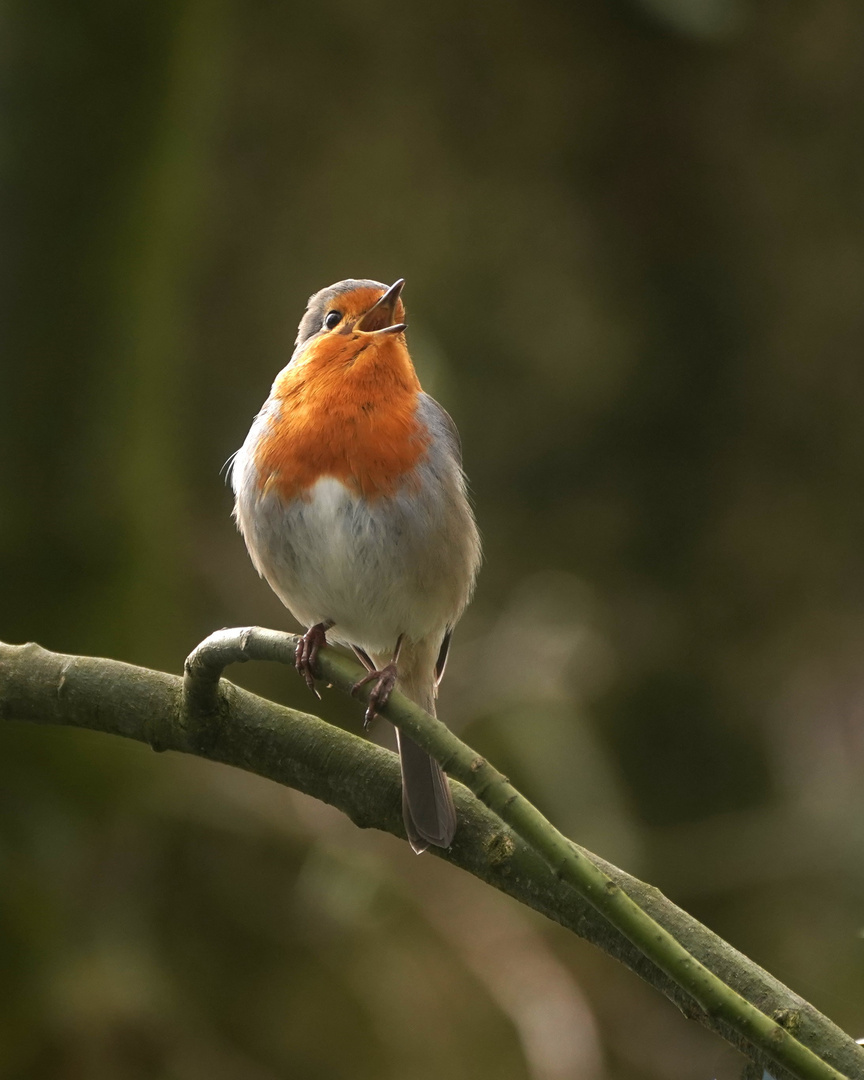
x,y
350,495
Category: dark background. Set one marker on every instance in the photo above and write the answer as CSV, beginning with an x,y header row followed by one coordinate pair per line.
x,y
633,243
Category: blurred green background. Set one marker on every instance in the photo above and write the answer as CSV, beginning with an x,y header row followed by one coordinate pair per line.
x,y
633,238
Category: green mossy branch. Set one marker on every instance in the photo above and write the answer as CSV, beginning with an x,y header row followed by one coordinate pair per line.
x,y
210,717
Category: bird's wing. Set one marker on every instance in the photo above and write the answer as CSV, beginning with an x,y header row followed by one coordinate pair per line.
x,y
448,429
437,414
443,653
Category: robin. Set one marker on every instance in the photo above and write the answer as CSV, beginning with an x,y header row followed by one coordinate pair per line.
x,y
351,498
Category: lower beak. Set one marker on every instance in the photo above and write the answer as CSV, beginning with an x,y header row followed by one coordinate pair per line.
x,y
380,315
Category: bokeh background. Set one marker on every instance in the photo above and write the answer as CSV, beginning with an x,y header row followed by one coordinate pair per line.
x,y
633,236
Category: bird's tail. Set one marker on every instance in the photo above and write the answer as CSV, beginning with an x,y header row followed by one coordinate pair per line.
x,y
427,803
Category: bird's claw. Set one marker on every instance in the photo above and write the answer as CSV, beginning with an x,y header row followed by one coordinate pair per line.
x,y
306,656
385,680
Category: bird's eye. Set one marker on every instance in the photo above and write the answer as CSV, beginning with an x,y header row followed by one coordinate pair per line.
x,y
333,319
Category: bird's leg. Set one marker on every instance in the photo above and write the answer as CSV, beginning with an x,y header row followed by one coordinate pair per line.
x,y
308,648
385,680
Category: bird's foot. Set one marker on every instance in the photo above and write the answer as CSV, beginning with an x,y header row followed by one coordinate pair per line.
x,y
306,657
385,680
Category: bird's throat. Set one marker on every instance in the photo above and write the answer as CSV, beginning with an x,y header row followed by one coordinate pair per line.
x,y
351,416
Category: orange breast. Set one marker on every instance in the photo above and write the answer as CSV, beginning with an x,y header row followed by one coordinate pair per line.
x,y
347,409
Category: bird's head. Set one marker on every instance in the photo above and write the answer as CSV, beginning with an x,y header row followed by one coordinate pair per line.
x,y
352,307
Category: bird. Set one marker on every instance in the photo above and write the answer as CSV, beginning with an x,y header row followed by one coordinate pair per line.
x,y
352,501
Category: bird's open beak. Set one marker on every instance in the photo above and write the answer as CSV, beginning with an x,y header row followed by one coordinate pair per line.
x,y
379,318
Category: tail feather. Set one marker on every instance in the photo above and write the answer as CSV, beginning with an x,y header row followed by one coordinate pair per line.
x,y
427,803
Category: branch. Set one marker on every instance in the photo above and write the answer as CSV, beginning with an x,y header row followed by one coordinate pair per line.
x,y
223,723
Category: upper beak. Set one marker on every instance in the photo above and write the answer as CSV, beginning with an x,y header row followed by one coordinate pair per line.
x,y
380,315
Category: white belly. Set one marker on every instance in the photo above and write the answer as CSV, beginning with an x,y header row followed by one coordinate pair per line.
x,y
375,568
